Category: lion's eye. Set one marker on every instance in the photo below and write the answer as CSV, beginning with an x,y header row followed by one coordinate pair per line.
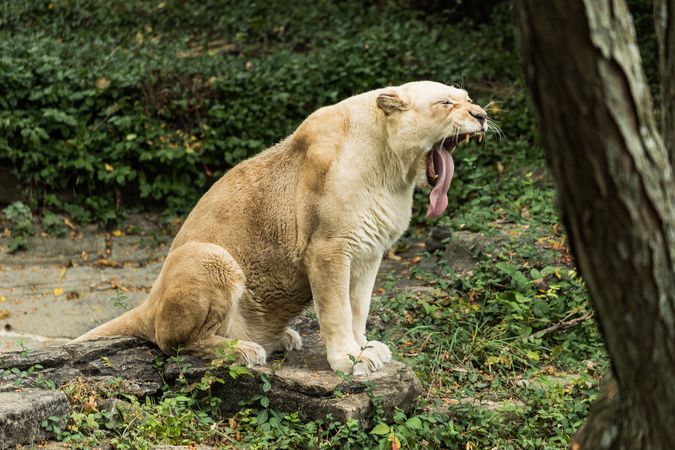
x,y
447,102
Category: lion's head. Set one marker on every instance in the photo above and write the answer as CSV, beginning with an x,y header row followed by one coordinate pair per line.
x,y
425,119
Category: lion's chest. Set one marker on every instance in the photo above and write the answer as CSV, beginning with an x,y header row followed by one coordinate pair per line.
x,y
381,222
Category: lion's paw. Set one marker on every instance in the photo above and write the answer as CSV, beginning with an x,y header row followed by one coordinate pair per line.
x,y
380,349
250,353
364,361
291,340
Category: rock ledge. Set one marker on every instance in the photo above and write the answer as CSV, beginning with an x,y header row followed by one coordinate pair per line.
x,y
301,381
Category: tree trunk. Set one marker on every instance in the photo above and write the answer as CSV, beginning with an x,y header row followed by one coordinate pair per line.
x,y
617,199
664,18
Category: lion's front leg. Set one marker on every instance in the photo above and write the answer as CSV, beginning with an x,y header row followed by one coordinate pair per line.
x,y
363,276
328,267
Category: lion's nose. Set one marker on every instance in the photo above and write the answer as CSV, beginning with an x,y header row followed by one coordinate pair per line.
x,y
480,116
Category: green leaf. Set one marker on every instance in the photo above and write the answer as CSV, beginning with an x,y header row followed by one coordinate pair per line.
x,y
414,423
505,267
533,355
380,429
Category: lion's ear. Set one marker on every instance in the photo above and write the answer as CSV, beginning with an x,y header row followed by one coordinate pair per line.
x,y
391,102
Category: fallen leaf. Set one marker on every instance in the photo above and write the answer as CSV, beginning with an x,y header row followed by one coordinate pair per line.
x,y
90,405
108,167
58,291
107,263
68,223
4,314
3,298
117,233
391,254
102,83
62,273
494,107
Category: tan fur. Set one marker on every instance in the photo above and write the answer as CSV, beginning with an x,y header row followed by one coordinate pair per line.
x,y
308,220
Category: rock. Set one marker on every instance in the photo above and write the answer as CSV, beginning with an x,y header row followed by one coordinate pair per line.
x,y
52,250
22,414
438,238
100,361
462,247
301,380
48,250
45,357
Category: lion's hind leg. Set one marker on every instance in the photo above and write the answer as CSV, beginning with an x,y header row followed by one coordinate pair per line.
x,y
290,340
198,288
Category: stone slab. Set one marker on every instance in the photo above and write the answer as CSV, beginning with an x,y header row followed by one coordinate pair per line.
x,y
301,380
23,411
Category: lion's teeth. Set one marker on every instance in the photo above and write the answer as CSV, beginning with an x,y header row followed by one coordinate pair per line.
x,y
480,137
466,138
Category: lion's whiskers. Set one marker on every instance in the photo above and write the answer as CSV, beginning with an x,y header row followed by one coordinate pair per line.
x,y
494,128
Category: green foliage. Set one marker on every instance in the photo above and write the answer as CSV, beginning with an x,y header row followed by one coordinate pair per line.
x,y
19,375
120,301
54,225
151,109
21,225
20,219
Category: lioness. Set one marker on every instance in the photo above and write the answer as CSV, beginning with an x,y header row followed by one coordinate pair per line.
x,y
306,220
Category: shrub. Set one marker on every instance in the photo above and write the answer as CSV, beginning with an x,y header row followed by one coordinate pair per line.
x,y
147,103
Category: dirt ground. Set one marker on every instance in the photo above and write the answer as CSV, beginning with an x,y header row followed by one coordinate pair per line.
x,y
61,287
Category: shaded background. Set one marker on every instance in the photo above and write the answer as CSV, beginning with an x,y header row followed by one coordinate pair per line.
x,y
143,104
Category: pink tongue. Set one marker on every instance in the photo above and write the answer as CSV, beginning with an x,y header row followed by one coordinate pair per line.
x,y
438,199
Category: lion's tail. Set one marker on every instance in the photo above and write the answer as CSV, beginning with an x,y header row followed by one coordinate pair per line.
x,y
128,324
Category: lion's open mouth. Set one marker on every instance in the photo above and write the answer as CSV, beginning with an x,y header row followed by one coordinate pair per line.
x,y
441,168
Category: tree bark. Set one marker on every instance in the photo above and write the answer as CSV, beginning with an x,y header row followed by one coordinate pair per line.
x,y
617,199
664,19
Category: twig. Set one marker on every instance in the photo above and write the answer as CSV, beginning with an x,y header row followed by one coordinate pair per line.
x,y
424,344
562,325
